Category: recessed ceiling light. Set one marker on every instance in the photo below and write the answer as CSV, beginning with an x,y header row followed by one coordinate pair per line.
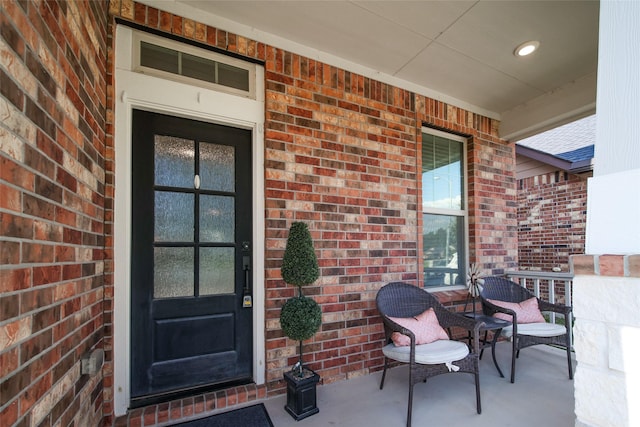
x,y
526,48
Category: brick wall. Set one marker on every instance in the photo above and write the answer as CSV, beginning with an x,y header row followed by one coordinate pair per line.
x,y
341,153
52,134
552,213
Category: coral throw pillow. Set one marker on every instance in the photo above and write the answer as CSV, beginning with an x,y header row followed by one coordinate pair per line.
x,y
425,327
526,311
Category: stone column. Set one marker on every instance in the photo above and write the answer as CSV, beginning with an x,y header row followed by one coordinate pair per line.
x,y
607,279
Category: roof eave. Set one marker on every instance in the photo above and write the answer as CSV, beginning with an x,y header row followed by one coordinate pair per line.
x,y
582,166
543,157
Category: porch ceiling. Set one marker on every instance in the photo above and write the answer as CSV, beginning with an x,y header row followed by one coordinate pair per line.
x,y
458,51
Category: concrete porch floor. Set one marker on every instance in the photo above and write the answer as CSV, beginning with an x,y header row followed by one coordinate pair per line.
x,y
541,396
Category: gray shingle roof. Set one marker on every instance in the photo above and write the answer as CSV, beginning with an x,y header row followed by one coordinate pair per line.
x,y
564,139
569,147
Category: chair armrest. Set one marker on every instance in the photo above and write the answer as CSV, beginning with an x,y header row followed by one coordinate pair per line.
x,y
390,327
492,309
448,319
557,308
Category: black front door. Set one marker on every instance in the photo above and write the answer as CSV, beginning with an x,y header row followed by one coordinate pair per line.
x,y
191,311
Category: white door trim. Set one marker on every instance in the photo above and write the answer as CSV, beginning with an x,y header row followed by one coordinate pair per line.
x,y
135,90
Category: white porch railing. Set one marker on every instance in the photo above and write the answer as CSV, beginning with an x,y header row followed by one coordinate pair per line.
x,y
551,286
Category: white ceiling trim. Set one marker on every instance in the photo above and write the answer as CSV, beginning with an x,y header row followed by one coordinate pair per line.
x,y
219,22
569,103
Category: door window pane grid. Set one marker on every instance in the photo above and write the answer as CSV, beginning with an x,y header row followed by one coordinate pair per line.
x,y
173,217
193,218
216,271
217,167
173,272
217,222
174,161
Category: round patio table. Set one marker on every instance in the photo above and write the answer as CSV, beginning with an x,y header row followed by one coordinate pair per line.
x,y
490,324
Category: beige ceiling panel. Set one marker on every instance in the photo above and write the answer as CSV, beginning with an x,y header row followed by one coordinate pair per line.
x,y
567,32
427,18
465,78
340,28
470,63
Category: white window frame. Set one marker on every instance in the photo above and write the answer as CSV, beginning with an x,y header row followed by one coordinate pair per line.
x,y
464,212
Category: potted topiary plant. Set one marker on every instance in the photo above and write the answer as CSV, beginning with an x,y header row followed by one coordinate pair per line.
x,y
300,318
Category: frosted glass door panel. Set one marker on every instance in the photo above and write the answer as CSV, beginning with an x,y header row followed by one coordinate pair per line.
x,y
174,217
216,271
217,171
174,161
217,219
173,272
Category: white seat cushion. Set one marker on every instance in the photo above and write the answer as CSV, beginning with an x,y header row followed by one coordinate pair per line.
x,y
441,351
536,330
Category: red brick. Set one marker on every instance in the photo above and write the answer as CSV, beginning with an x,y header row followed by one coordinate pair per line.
x,y
149,416
165,21
176,24
140,13
611,265
175,411
9,198
9,414
16,174
153,17
37,253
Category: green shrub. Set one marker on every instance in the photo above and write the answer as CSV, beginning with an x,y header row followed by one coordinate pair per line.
x,y
299,263
300,318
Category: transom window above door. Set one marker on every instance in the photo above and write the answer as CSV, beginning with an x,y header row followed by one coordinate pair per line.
x,y
193,65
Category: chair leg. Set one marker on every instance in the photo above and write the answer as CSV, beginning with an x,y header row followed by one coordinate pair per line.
x,y
569,359
493,353
384,373
478,403
514,351
410,405
484,341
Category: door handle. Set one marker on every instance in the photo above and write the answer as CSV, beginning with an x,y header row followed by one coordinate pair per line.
x,y
247,300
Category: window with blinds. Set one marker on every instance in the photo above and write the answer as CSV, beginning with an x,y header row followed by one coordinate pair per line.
x,y
444,233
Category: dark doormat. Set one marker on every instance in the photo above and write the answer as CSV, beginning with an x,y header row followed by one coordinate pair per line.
x,y
250,416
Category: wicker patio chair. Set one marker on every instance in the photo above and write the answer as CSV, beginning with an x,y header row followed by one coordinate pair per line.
x,y
526,334
401,300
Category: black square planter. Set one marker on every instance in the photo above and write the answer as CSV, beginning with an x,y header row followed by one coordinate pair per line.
x,y
301,394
